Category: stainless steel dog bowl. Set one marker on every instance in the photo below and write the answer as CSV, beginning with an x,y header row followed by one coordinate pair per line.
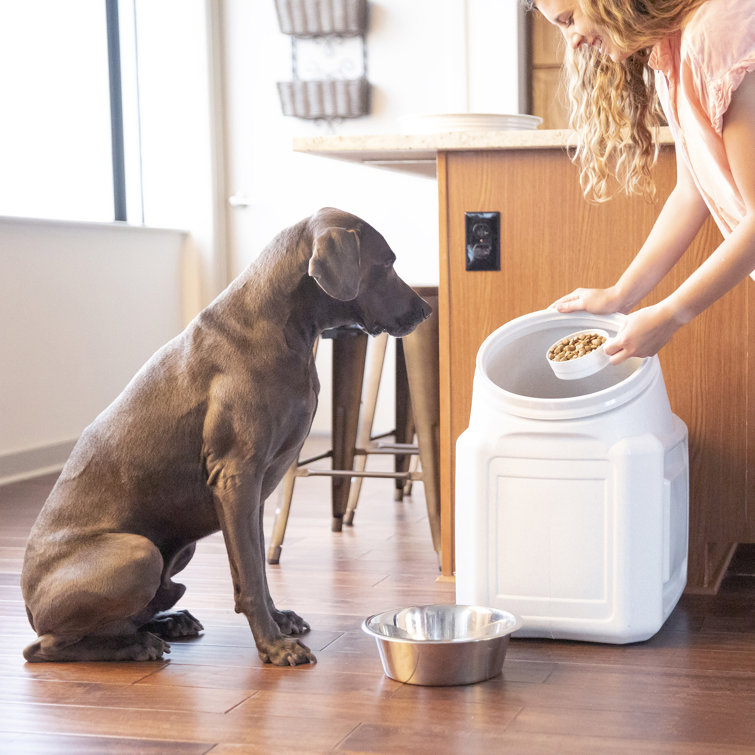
x,y
441,645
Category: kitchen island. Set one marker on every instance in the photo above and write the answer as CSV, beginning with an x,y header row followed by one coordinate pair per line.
x,y
551,241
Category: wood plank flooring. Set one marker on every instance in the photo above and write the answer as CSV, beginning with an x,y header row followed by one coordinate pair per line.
x,y
690,689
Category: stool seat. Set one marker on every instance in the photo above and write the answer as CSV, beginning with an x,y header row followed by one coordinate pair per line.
x,y
342,330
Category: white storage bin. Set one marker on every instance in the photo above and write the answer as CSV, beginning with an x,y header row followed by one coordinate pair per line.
x,y
571,496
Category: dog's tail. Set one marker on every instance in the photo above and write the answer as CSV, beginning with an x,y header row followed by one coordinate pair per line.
x,y
33,653
48,647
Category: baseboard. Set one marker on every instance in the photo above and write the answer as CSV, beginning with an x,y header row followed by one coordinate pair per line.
x,y
32,462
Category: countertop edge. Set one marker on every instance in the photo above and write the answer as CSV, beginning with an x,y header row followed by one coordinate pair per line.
x,y
412,148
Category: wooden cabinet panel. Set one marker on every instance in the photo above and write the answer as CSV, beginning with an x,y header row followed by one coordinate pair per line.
x,y
547,48
548,97
548,42
552,241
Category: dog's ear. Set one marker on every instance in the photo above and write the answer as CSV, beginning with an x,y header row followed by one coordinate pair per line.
x,y
335,263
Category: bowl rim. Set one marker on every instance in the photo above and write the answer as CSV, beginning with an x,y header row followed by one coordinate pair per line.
x,y
584,366
515,621
584,331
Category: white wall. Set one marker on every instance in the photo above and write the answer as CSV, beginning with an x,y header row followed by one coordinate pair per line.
x,y
424,56
176,127
82,307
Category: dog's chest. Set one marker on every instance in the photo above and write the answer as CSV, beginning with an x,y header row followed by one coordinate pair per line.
x,y
300,404
289,401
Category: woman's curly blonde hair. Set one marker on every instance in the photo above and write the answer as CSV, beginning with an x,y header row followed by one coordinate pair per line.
x,y
614,109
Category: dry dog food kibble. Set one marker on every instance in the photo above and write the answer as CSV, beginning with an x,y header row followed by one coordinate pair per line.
x,y
575,347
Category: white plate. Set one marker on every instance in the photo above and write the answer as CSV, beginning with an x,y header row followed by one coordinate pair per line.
x,y
470,122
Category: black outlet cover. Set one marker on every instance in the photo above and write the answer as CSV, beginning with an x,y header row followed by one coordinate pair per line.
x,y
483,247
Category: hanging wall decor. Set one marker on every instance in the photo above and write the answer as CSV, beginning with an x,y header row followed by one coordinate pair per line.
x,y
328,59
317,18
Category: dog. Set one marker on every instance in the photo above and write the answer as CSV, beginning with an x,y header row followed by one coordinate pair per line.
x,y
194,444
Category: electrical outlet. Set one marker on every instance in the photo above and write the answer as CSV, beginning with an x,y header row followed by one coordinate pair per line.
x,y
483,233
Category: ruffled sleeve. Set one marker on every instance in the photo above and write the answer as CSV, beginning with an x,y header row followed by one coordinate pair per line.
x,y
722,89
718,50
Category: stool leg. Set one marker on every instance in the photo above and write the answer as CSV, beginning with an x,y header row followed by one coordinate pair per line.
x,y
374,371
282,511
421,354
349,354
404,422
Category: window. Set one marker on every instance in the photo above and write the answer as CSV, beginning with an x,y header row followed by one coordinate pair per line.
x,y
56,149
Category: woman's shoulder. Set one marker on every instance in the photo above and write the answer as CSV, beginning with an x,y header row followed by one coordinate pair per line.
x,y
719,13
717,50
719,34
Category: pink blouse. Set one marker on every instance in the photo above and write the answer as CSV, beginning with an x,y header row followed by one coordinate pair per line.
x,y
697,69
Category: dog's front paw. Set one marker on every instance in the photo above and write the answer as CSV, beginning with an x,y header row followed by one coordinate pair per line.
x,y
287,652
173,625
289,622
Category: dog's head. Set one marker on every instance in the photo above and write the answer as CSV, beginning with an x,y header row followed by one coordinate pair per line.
x,y
351,262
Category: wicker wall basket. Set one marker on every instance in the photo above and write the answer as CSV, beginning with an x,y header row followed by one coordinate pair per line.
x,y
327,99
317,18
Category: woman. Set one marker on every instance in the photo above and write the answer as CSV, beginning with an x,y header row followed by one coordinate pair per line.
x,y
699,57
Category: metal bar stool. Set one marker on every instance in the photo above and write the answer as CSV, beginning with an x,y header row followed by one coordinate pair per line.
x,y
417,410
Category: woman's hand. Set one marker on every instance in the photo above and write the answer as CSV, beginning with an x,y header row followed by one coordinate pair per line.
x,y
597,301
643,333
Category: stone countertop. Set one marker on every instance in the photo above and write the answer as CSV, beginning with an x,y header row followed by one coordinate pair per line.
x,y
416,152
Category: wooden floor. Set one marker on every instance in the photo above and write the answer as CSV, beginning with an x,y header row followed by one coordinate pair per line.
x,y
689,689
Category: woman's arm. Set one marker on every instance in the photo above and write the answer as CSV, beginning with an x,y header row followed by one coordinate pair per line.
x,y
735,258
648,329
679,221
677,224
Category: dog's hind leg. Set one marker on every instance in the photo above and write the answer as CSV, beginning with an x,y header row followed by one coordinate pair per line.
x,y
158,619
135,646
174,625
82,600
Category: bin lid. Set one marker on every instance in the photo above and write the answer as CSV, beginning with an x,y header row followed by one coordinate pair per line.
x,y
512,364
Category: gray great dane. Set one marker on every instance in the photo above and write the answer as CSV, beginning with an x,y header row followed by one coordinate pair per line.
x,y
194,444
